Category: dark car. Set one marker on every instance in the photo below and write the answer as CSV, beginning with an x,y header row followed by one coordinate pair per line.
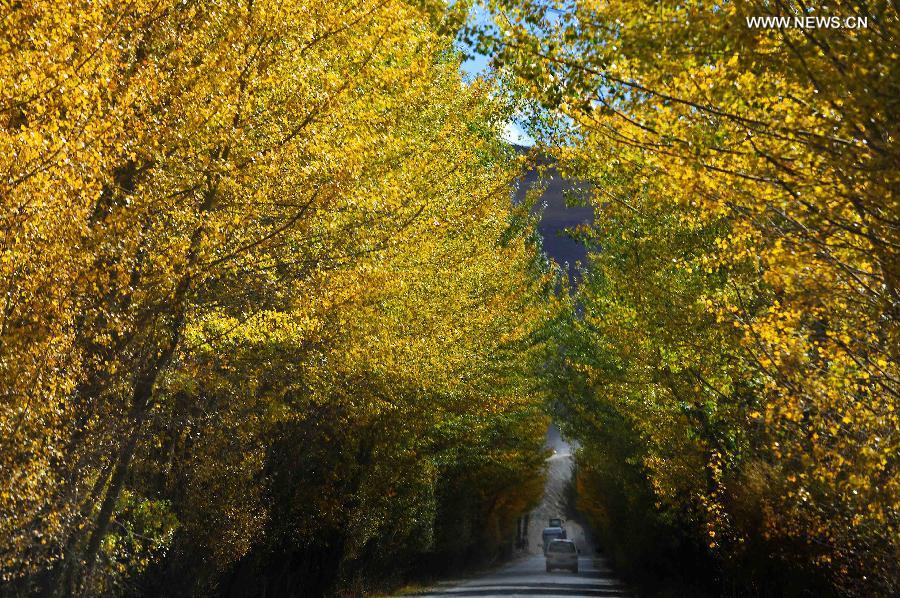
x,y
552,533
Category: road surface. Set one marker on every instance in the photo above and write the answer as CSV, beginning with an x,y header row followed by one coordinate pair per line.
x,y
526,575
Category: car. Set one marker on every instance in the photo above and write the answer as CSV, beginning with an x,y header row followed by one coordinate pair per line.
x,y
562,554
551,533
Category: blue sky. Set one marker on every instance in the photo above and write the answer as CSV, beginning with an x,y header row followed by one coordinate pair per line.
x,y
478,65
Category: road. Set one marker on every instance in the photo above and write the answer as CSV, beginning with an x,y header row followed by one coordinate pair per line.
x,y
526,575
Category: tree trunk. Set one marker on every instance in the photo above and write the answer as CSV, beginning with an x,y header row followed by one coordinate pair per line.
x,y
142,392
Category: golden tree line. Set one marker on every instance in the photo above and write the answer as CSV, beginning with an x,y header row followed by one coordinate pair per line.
x,y
263,292
739,339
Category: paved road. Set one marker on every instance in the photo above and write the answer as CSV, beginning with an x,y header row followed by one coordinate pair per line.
x,y
526,575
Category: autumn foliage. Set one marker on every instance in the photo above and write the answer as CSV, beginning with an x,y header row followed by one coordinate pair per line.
x,y
270,322
734,369
266,306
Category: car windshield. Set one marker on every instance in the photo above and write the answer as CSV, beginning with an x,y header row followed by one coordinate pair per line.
x,y
562,547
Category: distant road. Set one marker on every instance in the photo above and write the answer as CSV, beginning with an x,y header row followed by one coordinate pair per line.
x,y
526,575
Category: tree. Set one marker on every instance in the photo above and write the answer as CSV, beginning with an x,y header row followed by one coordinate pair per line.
x,y
228,224
751,174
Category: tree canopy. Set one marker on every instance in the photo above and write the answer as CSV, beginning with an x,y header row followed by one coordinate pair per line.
x,y
740,301
264,290
272,322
